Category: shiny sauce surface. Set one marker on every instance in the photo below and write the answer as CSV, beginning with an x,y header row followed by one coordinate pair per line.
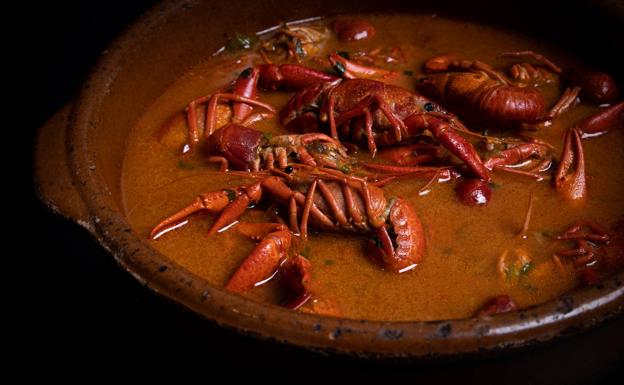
x,y
460,270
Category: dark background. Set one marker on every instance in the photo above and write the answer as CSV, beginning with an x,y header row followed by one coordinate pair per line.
x,y
86,310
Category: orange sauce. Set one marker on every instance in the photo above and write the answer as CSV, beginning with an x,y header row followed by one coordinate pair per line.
x,y
460,269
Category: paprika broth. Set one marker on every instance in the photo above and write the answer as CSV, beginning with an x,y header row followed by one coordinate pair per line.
x,y
473,253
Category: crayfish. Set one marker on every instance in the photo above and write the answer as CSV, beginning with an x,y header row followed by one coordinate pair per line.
x,y
247,149
593,251
326,201
318,186
362,108
487,98
383,114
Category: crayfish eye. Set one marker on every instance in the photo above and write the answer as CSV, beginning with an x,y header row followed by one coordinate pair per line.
x,y
377,242
288,169
429,107
246,73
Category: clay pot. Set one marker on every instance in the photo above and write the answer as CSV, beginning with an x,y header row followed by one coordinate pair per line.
x,y
80,150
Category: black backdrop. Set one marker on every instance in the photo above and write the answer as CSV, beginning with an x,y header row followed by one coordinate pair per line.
x,y
84,308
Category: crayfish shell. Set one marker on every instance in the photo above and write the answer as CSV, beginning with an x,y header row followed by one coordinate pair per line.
x,y
483,101
408,239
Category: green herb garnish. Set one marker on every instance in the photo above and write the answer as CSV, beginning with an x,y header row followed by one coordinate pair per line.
x,y
345,169
340,69
299,48
548,234
511,272
526,268
185,165
231,194
240,42
377,242
514,272
530,287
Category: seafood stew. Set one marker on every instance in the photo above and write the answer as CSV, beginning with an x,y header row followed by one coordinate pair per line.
x,y
392,175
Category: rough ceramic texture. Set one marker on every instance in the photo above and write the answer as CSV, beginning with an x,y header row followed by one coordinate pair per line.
x,y
78,158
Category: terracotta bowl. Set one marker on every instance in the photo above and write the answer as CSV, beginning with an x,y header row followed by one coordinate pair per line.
x,y
80,150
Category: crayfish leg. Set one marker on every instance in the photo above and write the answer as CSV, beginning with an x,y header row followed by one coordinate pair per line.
x,y
602,121
237,207
245,86
295,275
259,230
458,146
363,108
211,111
211,202
570,178
497,305
352,70
191,119
535,56
306,209
262,263
568,99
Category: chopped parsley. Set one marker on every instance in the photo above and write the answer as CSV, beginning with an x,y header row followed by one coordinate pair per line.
x,y
514,272
345,169
340,69
185,165
299,48
377,242
526,268
240,42
231,194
